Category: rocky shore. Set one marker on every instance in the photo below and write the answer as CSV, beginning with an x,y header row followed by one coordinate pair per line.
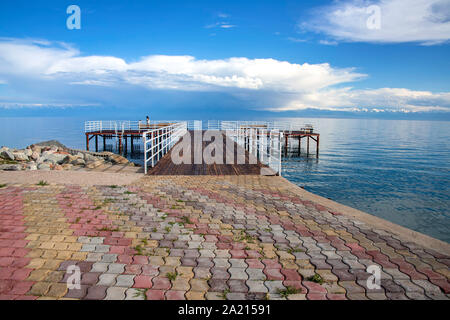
x,y
52,155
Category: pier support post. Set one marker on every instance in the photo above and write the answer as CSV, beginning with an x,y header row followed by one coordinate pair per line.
x,y
307,146
96,143
317,147
285,144
132,144
87,142
120,144
104,143
126,144
299,145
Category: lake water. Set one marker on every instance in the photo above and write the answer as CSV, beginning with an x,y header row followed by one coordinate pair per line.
x,y
398,170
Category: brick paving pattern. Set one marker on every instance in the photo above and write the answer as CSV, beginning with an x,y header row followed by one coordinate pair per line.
x,y
201,237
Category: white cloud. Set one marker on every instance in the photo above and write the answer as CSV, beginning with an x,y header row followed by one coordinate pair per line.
x,y
423,21
61,72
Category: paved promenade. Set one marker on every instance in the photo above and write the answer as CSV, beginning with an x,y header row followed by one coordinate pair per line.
x,y
201,237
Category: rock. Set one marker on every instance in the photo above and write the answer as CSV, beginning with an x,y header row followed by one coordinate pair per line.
x,y
69,159
36,149
50,143
78,162
116,159
44,166
54,158
94,164
28,152
20,156
58,167
35,155
8,155
11,167
89,157
31,166
67,166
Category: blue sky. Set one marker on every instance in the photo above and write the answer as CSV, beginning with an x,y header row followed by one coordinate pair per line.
x,y
226,59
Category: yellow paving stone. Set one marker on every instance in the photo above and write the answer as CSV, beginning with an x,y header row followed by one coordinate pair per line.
x,y
49,254
79,256
74,246
444,272
327,275
304,264
195,295
333,287
172,261
64,255
289,264
199,285
38,275
156,260
61,246
36,263
32,237
54,276
39,289
285,255
185,272
52,264
162,252
57,290
35,253
47,245
181,284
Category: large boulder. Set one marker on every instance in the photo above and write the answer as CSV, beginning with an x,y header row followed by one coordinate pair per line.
x,y
20,156
54,158
28,152
117,159
35,155
8,155
44,166
90,157
95,164
78,162
11,167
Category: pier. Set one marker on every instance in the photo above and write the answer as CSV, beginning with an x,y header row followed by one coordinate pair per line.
x,y
260,144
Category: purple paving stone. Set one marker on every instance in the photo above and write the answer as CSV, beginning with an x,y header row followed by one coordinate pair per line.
x,y
320,264
343,274
77,293
237,286
218,285
219,273
96,293
188,262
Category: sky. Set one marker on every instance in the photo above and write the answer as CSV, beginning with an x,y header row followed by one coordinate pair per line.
x,y
225,59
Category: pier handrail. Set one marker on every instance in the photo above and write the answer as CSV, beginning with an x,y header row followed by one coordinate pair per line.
x,y
263,144
159,141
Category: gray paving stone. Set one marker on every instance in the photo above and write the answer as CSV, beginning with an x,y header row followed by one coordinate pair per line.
x,y
115,293
116,268
107,279
256,286
100,267
109,257
134,294
238,273
125,280
255,274
274,286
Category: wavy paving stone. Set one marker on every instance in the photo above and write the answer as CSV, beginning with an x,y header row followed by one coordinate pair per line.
x,y
200,237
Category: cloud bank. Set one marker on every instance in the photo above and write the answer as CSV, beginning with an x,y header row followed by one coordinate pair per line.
x,y
55,73
424,21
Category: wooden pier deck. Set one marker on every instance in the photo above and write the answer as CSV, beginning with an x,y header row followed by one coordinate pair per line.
x,y
165,166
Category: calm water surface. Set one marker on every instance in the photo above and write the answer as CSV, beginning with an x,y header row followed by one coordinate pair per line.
x,y
394,169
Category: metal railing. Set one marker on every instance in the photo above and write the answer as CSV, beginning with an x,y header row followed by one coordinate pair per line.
x,y
159,141
286,126
264,145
